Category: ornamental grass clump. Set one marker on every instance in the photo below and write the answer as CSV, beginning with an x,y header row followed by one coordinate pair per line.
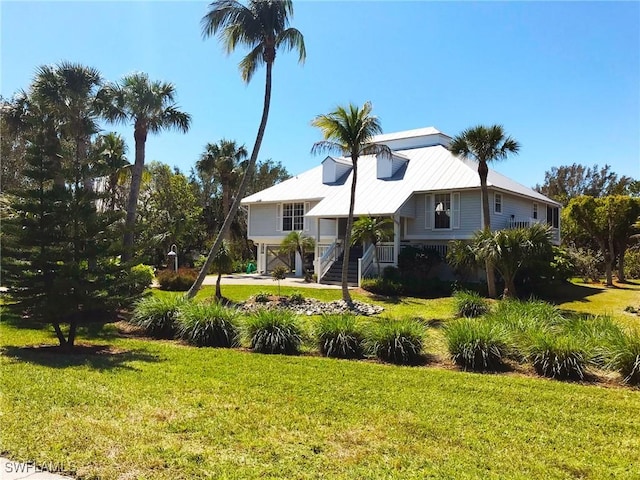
x,y
596,333
556,355
208,325
274,332
470,304
158,315
523,316
397,341
340,337
477,345
624,355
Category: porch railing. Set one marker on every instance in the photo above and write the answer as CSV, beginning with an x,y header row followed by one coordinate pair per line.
x,y
328,258
365,264
386,252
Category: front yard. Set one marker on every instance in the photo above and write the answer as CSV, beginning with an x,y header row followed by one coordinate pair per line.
x,y
154,409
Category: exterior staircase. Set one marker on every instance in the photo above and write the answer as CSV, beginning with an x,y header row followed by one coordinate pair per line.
x,y
334,274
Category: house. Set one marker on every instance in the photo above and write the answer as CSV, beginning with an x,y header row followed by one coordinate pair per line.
x,y
432,196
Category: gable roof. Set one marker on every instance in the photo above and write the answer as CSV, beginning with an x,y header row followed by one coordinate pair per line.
x,y
431,168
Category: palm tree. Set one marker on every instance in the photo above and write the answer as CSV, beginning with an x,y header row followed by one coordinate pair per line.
x,y
484,144
262,26
222,263
223,161
372,230
111,155
349,131
150,106
510,250
299,243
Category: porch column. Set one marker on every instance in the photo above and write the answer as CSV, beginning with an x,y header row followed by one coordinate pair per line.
x,y
396,238
316,257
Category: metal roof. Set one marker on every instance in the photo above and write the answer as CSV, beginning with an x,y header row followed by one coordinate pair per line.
x,y
431,168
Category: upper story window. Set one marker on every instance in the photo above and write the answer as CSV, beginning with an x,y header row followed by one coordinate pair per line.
x,y
442,202
292,216
497,203
553,217
535,211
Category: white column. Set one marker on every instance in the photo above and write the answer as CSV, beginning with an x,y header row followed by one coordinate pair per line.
x,y
396,238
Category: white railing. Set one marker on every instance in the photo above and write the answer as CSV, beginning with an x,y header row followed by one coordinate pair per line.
x,y
322,249
386,252
522,222
331,254
365,264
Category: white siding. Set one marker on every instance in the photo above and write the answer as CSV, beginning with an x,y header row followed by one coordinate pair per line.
x,y
265,221
469,219
520,208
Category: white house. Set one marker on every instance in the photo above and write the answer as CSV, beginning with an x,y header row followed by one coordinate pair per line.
x,y
431,195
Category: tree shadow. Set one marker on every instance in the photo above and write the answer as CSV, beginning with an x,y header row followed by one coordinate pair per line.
x,y
567,292
99,357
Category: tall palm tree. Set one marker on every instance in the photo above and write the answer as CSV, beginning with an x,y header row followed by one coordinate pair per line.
x,y
261,25
484,144
223,161
111,157
372,230
349,131
150,106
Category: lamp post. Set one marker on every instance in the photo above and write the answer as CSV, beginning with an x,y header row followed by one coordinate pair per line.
x,y
173,253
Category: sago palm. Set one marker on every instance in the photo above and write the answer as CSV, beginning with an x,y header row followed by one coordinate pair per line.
x,y
349,131
483,145
150,106
262,26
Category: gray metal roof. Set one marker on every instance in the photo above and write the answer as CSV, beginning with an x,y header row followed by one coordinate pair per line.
x,y
429,169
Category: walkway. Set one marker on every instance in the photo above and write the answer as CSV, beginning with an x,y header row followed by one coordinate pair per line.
x,y
261,279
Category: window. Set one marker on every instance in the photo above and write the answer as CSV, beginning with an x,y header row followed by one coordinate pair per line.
x,y
497,204
292,216
553,216
442,202
535,211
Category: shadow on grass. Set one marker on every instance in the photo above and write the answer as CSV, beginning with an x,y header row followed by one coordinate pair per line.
x,y
567,292
99,357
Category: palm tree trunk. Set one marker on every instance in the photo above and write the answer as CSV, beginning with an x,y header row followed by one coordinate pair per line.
x,y
483,171
226,186
243,187
134,191
347,235
622,249
218,289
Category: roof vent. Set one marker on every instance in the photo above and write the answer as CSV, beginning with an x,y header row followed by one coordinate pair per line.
x,y
334,168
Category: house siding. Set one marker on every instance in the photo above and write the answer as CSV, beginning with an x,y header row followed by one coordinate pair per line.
x,y
263,222
469,219
520,208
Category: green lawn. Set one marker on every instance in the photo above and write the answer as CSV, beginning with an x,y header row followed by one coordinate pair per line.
x,y
162,410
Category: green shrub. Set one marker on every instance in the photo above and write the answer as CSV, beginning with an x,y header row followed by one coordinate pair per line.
x,y
296,297
262,297
380,286
391,273
158,315
179,281
396,341
554,355
595,333
208,325
476,344
632,263
522,316
470,304
339,336
624,355
139,278
274,331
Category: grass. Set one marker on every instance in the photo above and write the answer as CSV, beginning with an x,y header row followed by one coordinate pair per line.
x,y
163,410
166,411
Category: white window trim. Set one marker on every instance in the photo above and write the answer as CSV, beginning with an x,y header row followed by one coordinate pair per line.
x,y
495,202
535,211
306,206
454,223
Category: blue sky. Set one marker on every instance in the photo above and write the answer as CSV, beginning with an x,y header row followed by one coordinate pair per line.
x,y
562,77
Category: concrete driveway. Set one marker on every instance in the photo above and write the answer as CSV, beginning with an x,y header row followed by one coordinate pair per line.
x,y
261,279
